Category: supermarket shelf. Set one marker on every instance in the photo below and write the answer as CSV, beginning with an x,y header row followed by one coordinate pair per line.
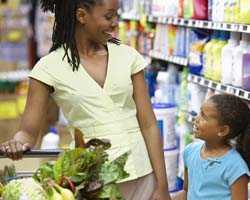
x,y
130,16
219,87
18,75
173,59
192,23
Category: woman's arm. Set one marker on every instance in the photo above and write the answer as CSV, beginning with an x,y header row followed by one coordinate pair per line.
x,y
239,189
150,131
34,113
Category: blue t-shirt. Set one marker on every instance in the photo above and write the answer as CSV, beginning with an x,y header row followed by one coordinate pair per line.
x,y
210,179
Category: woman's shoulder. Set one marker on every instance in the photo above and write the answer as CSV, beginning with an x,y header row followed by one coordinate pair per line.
x,y
52,61
56,55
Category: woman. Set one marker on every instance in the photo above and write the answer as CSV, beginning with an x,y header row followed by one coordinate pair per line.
x,y
99,84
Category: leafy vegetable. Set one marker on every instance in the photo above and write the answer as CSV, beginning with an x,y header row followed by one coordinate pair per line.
x,y
86,171
24,188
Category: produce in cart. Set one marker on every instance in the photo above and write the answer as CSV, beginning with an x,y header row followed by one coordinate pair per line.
x,y
83,173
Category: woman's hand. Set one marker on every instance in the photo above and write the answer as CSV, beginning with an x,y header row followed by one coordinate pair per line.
x,y
14,149
160,194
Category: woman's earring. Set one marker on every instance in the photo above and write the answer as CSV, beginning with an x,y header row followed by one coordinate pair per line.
x,y
220,134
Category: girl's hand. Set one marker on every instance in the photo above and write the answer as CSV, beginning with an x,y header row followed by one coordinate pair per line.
x,y
160,194
14,149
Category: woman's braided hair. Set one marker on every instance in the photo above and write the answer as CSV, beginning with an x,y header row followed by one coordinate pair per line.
x,y
64,26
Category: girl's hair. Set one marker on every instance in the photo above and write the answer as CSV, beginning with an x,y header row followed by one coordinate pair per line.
x,y
235,113
64,26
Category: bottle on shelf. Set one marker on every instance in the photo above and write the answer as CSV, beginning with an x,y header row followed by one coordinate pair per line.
x,y
227,58
51,139
216,56
238,53
207,55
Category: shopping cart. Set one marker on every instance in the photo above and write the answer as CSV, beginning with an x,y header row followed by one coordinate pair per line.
x,y
32,154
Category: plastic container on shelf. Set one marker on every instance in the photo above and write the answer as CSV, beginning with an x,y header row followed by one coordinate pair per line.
x,y
244,16
188,9
216,56
180,8
246,70
207,55
227,58
215,7
227,15
165,115
238,53
200,9
51,139
209,9
171,162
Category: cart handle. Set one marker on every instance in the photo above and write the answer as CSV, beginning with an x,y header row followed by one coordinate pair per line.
x,y
37,153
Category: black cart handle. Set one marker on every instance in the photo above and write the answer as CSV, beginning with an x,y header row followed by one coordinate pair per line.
x,y
37,153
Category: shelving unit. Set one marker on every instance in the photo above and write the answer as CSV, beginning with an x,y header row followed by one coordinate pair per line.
x,y
191,23
219,87
18,75
172,59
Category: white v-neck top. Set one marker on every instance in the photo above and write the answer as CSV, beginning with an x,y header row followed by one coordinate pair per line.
x,y
107,112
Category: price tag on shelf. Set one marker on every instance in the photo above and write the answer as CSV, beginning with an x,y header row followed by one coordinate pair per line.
x,y
218,87
224,26
210,84
203,82
196,80
217,25
163,20
209,25
177,60
150,18
235,27
190,23
247,95
181,22
170,20
229,90
176,21
237,92
199,24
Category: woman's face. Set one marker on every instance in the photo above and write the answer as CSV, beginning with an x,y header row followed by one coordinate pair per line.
x,y
101,21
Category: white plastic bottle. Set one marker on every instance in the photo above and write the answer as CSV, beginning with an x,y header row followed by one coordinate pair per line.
x,y
227,58
238,58
51,140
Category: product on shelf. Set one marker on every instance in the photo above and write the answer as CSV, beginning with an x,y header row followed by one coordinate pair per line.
x,y
227,58
200,9
216,56
196,53
13,36
44,28
246,70
238,54
171,162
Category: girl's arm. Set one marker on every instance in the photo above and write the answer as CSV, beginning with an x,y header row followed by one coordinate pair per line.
x,y
239,189
150,132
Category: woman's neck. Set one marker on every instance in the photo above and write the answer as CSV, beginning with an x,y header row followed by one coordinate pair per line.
x,y
85,46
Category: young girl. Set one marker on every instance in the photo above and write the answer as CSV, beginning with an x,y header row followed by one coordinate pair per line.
x,y
216,168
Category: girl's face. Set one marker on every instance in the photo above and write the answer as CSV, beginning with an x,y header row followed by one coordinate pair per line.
x,y
206,125
101,21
